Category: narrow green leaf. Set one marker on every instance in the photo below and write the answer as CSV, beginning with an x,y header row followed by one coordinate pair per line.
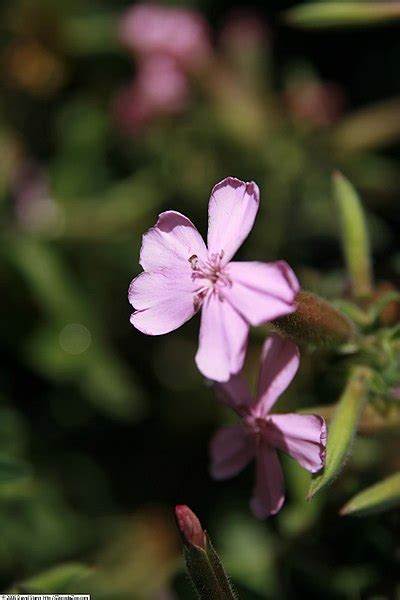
x,y
12,469
378,497
341,14
207,573
355,237
381,303
220,573
342,428
369,128
201,573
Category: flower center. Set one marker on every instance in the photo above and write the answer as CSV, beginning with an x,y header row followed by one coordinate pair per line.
x,y
211,276
258,428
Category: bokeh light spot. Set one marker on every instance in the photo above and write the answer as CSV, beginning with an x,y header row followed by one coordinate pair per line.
x,y
75,338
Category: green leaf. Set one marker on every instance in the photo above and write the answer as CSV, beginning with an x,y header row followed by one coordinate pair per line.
x,y
342,428
220,573
342,14
207,572
377,497
201,573
366,129
355,237
381,303
12,469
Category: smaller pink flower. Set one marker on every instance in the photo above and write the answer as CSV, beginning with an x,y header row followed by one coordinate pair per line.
x,y
395,392
314,102
260,434
182,275
35,208
160,89
162,85
178,32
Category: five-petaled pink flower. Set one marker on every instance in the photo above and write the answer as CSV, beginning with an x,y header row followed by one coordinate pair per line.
x,y
181,275
260,434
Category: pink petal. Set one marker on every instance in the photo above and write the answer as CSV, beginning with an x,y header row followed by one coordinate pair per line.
x,y
171,243
161,85
232,209
260,291
268,494
280,359
235,393
163,300
303,437
223,339
231,449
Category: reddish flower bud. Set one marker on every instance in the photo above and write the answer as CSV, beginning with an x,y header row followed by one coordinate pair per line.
x,y
190,527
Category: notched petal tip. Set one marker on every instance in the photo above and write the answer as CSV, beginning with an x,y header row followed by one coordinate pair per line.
x,y
232,210
170,242
251,188
169,219
322,440
322,444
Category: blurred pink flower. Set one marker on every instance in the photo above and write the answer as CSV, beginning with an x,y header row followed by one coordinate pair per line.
x,y
29,185
177,32
260,434
181,275
395,392
34,207
315,102
160,89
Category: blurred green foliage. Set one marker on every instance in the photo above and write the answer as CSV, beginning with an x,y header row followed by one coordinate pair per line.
x,y
103,430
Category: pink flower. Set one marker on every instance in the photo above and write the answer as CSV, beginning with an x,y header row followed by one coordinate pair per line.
x,y
160,89
317,103
178,32
260,434
35,209
181,275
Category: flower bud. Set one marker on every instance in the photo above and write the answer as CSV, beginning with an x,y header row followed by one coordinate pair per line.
x,y
190,527
316,322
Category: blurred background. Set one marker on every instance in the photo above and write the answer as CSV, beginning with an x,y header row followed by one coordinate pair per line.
x,y
102,429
